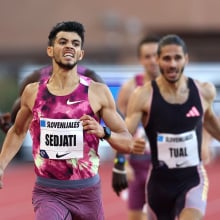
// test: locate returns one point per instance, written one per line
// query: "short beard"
(172, 81)
(66, 66)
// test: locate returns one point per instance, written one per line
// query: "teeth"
(68, 54)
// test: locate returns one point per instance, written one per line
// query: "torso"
(60, 110)
(179, 124)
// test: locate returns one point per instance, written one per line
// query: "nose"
(154, 59)
(69, 45)
(173, 62)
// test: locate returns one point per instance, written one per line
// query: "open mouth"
(70, 55)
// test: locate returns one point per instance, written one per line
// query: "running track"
(15, 197)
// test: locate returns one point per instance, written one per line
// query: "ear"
(81, 55)
(50, 51)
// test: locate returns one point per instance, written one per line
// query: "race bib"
(178, 150)
(61, 138)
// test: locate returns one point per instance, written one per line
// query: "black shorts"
(171, 190)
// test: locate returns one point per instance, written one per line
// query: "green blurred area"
(8, 94)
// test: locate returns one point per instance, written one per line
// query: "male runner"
(63, 112)
(173, 109)
(137, 165)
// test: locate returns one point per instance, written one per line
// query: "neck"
(181, 84)
(62, 78)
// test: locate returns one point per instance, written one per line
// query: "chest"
(178, 97)
(166, 116)
(73, 105)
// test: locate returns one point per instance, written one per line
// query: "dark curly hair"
(68, 26)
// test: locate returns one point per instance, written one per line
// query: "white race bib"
(178, 150)
(61, 138)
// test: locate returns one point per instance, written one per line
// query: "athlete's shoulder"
(31, 86)
(86, 81)
(30, 89)
(100, 89)
(98, 85)
(128, 86)
(207, 89)
(143, 92)
(147, 87)
(89, 73)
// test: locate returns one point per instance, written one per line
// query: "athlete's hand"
(5, 120)
(119, 178)
(139, 146)
(91, 126)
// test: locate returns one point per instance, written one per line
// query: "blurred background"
(113, 30)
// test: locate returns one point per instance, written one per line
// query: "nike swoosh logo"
(61, 155)
(180, 164)
(73, 102)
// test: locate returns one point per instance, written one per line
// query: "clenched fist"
(139, 146)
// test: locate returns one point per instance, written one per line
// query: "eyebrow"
(63, 38)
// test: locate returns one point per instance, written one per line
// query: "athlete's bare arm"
(138, 107)
(206, 152)
(120, 181)
(124, 94)
(103, 104)
(211, 121)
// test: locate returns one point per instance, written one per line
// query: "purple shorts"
(137, 188)
(69, 204)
